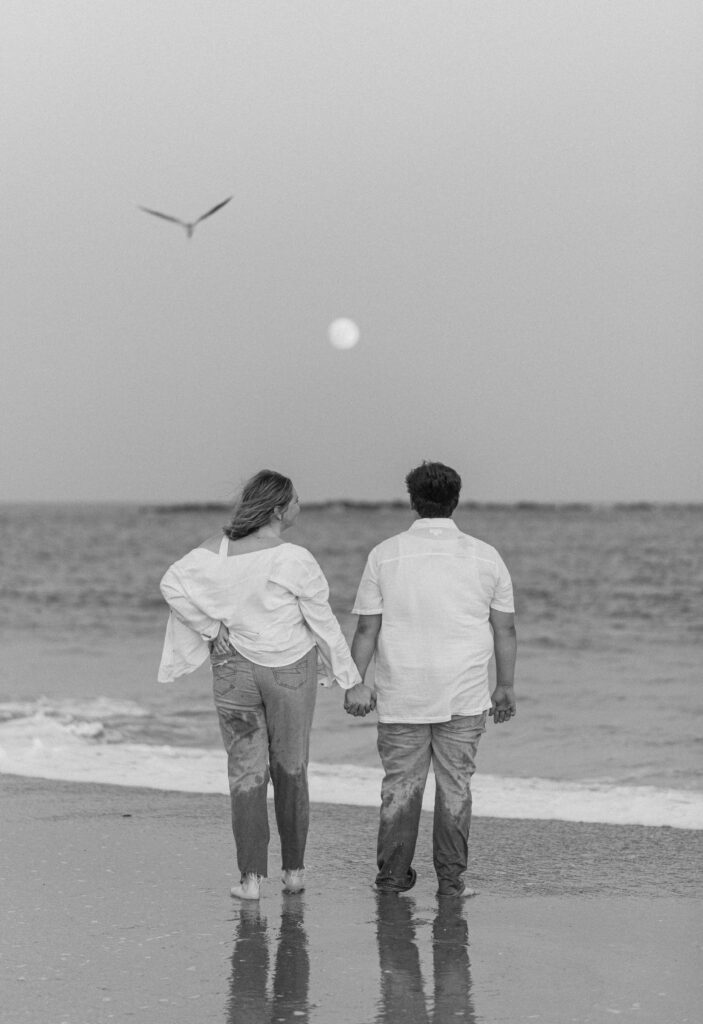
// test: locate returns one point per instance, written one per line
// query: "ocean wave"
(97, 719)
(43, 746)
(88, 709)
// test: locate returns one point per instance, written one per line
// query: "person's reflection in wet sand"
(249, 1000)
(402, 995)
(452, 970)
(402, 992)
(291, 980)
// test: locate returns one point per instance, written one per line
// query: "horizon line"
(362, 503)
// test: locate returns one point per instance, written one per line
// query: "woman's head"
(267, 495)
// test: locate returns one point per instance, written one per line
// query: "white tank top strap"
(224, 546)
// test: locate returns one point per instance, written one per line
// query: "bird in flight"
(190, 228)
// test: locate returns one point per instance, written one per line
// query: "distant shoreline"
(343, 504)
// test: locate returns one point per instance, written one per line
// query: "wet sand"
(115, 907)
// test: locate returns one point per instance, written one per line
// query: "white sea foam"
(45, 747)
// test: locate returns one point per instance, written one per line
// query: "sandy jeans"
(265, 719)
(406, 753)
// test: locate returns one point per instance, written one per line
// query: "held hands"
(359, 700)
(504, 706)
(220, 646)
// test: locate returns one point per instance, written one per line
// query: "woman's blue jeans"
(406, 754)
(265, 719)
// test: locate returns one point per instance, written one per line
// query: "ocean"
(609, 610)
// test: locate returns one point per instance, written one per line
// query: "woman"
(261, 604)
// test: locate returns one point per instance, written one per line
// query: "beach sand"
(116, 907)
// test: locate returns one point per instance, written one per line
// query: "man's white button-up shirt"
(434, 587)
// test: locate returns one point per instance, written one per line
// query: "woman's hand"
(221, 645)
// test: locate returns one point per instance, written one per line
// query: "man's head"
(434, 490)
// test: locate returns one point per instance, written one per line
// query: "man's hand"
(504, 706)
(359, 700)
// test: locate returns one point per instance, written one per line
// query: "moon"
(343, 333)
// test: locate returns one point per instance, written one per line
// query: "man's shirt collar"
(435, 524)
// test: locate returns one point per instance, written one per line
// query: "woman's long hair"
(259, 497)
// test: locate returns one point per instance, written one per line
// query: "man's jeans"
(406, 753)
(265, 720)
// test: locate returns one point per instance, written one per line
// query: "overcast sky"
(505, 195)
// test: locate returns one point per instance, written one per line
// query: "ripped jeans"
(406, 753)
(265, 719)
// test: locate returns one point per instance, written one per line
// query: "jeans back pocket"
(291, 677)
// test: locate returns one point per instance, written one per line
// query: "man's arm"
(359, 701)
(505, 647)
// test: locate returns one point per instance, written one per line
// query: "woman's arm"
(323, 625)
(176, 596)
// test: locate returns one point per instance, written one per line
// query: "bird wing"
(213, 210)
(165, 216)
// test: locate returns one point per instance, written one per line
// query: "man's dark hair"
(434, 490)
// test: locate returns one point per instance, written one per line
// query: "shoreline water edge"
(170, 769)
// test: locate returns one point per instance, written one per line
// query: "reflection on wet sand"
(402, 989)
(250, 1001)
(270, 980)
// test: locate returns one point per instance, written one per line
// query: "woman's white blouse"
(275, 603)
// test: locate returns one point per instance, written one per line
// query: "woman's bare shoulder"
(212, 543)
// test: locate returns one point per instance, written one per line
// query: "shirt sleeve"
(175, 593)
(310, 587)
(502, 600)
(369, 600)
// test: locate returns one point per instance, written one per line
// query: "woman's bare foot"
(249, 888)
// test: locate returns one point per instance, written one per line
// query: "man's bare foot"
(294, 881)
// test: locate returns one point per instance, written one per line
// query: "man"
(434, 606)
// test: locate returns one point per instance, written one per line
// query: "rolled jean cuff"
(384, 883)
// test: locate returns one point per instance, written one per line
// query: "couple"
(434, 606)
